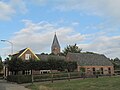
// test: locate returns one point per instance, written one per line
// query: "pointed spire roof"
(55, 42)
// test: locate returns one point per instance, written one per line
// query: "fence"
(43, 77)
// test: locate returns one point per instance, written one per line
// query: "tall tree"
(117, 59)
(1, 64)
(72, 48)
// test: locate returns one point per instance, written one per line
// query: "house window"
(109, 70)
(45, 71)
(27, 56)
(94, 71)
(27, 72)
(101, 70)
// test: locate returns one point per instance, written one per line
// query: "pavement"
(4, 85)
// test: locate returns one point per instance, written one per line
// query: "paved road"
(4, 85)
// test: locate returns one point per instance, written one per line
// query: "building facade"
(92, 64)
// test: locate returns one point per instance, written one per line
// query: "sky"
(92, 24)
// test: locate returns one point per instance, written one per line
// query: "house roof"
(85, 59)
(21, 52)
(46, 57)
(55, 42)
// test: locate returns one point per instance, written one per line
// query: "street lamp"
(11, 45)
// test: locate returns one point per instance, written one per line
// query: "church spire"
(55, 49)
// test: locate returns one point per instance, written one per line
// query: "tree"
(1, 64)
(15, 65)
(117, 59)
(72, 48)
(116, 63)
(44, 53)
(71, 66)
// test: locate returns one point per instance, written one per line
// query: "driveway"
(4, 85)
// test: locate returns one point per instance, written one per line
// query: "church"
(87, 63)
(55, 48)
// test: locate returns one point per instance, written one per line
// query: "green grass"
(103, 83)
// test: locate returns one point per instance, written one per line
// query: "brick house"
(27, 54)
(24, 54)
(92, 63)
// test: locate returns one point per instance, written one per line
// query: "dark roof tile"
(85, 59)
(46, 57)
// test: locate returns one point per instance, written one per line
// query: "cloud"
(19, 5)
(39, 36)
(75, 23)
(107, 9)
(6, 11)
(104, 45)
(92, 6)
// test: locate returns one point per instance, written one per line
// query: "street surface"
(4, 85)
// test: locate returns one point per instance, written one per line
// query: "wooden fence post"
(68, 76)
(32, 76)
(52, 78)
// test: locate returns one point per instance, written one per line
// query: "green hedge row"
(1, 74)
(56, 76)
(43, 77)
(17, 64)
(19, 78)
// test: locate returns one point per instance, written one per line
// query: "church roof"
(55, 42)
(85, 59)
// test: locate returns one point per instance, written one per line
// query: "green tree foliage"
(72, 48)
(44, 53)
(17, 64)
(116, 63)
(71, 66)
(117, 59)
(1, 63)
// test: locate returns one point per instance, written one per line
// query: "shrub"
(43, 77)
(19, 78)
(75, 74)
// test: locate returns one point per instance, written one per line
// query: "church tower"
(55, 49)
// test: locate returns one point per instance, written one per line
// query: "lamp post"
(6, 70)
(11, 45)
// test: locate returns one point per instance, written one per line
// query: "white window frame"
(27, 56)
(27, 72)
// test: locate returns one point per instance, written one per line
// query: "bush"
(43, 77)
(75, 74)
(12, 78)
(1, 74)
(19, 78)
(60, 76)
(17, 64)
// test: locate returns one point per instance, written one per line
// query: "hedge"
(19, 78)
(43, 77)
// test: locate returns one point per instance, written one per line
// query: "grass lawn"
(102, 83)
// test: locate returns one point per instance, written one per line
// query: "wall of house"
(107, 70)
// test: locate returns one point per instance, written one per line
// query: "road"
(4, 85)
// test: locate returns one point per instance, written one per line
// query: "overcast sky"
(94, 25)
